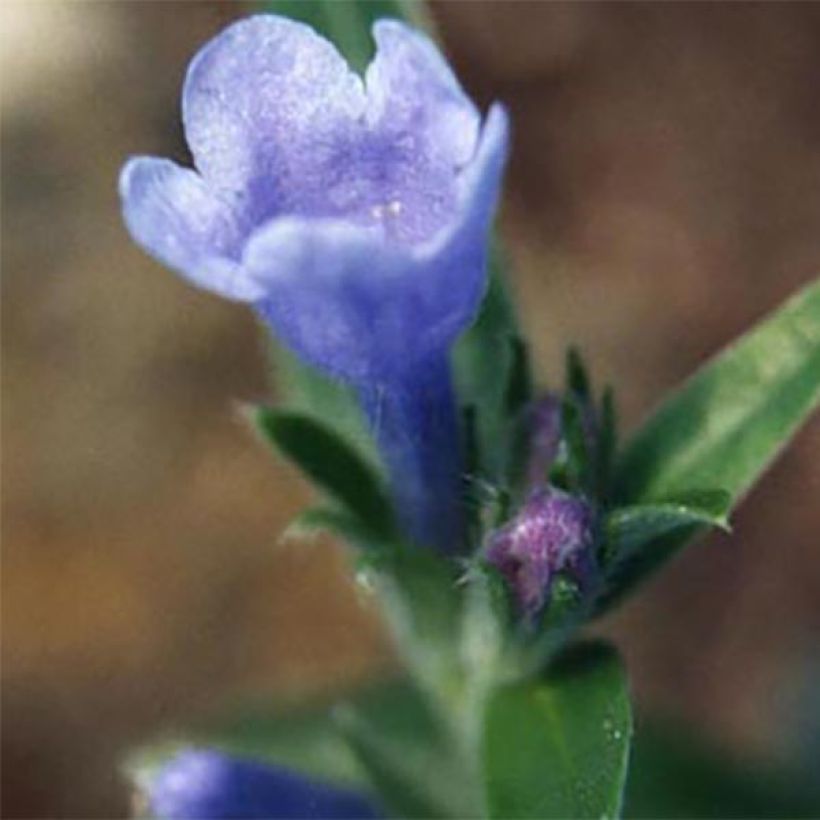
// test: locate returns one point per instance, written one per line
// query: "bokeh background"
(664, 193)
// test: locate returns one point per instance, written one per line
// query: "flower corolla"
(351, 212)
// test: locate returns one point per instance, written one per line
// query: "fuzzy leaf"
(576, 377)
(628, 529)
(300, 736)
(725, 425)
(519, 383)
(339, 522)
(329, 462)
(558, 747)
(637, 538)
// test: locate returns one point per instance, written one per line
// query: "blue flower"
(352, 213)
(208, 785)
(551, 533)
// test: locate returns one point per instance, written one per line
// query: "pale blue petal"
(462, 250)
(412, 92)
(174, 216)
(263, 101)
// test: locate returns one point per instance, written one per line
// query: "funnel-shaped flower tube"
(199, 784)
(353, 214)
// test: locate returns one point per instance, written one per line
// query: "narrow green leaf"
(329, 462)
(725, 425)
(303, 737)
(639, 538)
(577, 378)
(577, 464)
(519, 383)
(559, 747)
(628, 529)
(338, 522)
(482, 361)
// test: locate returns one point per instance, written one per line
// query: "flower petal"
(261, 99)
(411, 90)
(353, 303)
(337, 295)
(172, 214)
(462, 248)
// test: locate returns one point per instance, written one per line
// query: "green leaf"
(628, 529)
(405, 748)
(330, 463)
(576, 378)
(639, 538)
(347, 22)
(558, 747)
(577, 467)
(301, 736)
(340, 523)
(483, 359)
(731, 419)
(519, 384)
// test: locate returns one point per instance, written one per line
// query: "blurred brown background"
(664, 193)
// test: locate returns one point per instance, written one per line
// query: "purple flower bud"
(352, 213)
(551, 533)
(208, 785)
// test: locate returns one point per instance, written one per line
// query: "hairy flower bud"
(551, 533)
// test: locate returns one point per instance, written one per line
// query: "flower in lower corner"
(352, 213)
(200, 784)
